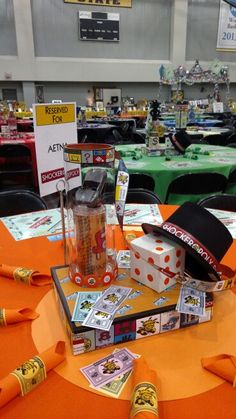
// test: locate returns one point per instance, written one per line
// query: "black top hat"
(201, 234)
(180, 140)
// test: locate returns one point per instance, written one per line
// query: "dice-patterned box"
(151, 251)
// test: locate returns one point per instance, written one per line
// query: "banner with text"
(54, 126)
(113, 3)
(226, 38)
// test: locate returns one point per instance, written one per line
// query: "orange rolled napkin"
(28, 375)
(144, 402)
(11, 316)
(25, 275)
(222, 365)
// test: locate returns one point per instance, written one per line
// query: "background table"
(185, 389)
(95, 132)
(112, 121)
(170, 123)
(23, 125)
(24, 114)
(220, 160)
(209, 131)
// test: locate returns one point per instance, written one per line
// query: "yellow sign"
(55, 114)
(114, 3)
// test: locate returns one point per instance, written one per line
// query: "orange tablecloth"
(198, 394)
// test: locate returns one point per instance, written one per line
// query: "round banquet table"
(220, 159)
(185, 389)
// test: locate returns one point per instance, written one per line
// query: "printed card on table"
(84, 303)
(111, 299)
(135, 214)
(106, 369)
(34, 224)
(115, 387)
(97, 319)
(123, 259)
(191, 301)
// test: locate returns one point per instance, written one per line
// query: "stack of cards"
(191, 301)
(115, 387)
(103, 311)
(116, 366)
(96, 309)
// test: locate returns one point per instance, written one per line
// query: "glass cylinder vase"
(91, 254)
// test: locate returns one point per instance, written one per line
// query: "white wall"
(173, 32)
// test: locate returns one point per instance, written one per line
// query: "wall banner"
(226, 38)
(54, 126)
(113, 3)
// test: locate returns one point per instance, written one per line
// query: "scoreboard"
(96, 26)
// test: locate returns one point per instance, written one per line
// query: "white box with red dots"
(151, 251)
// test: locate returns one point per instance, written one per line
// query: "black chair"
(195, 137)
(29, 127)
(231, 140)
(231, 183)
(232, 177)
(16, 169)
(139, 180)
(195, 184)
(138, 138)
(223, 202)
(124, 128)
(119, 139)
(134, 196)
(232, 145)
(198, 139)
(216, 139)
(19, 202)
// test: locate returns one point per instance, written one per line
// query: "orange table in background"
(133, 115)
(186, 390)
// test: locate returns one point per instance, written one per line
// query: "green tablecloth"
(198, 158)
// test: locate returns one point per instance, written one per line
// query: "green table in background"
(219, 159)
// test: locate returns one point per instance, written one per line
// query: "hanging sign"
(226, 38)
(54, 126)
(113, 3)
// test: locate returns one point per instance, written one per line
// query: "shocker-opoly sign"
(113, 3)
(54, 127)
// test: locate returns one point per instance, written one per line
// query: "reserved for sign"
(55, 114)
